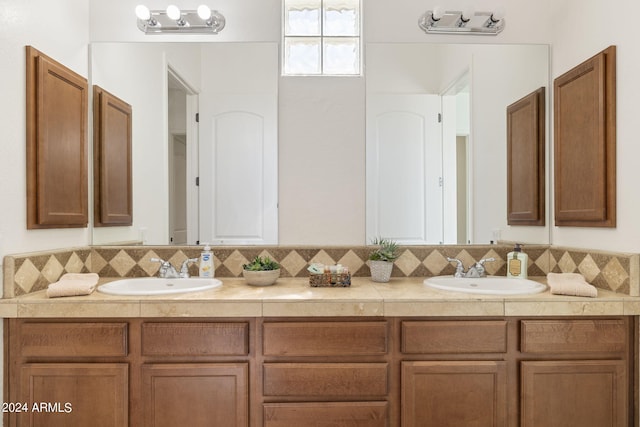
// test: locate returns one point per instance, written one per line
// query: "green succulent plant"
(261, 264)
(387, 250)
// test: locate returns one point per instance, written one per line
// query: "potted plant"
(381, 259)
(261, 271)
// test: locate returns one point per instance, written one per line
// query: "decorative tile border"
(34, 271)
(615, 271)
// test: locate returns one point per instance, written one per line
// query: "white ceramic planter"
(261, 278)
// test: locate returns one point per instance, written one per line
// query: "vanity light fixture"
(437, 21)
(173, 20)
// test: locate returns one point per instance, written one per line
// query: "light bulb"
(143, 13)
(204, 12)
(173, 12)
(467, 14)
(437, 13)
(498, 15)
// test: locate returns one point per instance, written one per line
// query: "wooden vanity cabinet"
(134, 372)
(576, 372)
(334, 371)
(542, 372)
(194, 373)
(454, 373)
(66, 373)
(365, 372)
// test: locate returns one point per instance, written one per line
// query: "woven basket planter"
(380, 270)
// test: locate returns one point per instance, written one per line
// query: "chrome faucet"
(168, 271)
(474, 271)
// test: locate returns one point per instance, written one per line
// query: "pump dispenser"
(517, 263)
(206, 262)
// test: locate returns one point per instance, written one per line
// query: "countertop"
(293, 297)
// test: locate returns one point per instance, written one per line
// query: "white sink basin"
(492, 285)
(157, 286)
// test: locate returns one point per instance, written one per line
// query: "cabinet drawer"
(325, 338)
(573, 336)
(328, 380)
(482, 336)
(361, 414)
(195, 339)
(73, 339)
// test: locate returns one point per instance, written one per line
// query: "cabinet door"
(56, 144)
(454, 394)
(195, 395)
(588, 393)
(74, 394)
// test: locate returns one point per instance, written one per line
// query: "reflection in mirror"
(211, 178)
(474, 84)
(436, 139)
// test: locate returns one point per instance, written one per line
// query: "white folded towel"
(72, 284)
(570, 284)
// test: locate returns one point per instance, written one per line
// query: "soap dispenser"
(206, 262)
(517, 263)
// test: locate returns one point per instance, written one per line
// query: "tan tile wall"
(33, 272)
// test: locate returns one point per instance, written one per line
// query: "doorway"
(182, 102)
(456, 145)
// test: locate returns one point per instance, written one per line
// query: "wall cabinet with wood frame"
(112, 175)
(526, 129)
(281, 372)
(57, 113)
(585, 143)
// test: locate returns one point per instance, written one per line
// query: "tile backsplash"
(25, 273)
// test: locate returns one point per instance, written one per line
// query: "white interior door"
(239, 170)
(404, 168)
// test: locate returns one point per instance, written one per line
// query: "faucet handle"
(184, 269)
(166, 269)
(482, 261)
(459, 266)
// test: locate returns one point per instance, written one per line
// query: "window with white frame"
(321, 37)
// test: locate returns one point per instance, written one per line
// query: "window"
(321, 37)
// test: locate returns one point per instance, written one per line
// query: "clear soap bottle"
(517, 263)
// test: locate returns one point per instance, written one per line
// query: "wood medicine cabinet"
(585, 143)
(525, 160)
(112, 191)
(56, 144)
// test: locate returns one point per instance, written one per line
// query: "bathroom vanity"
(395, 354)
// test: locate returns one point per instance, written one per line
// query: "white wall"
(60, 30)
(322, 161)
(579, 34)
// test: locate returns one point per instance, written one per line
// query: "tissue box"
(330, 280)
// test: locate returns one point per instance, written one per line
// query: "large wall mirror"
(448, 188)
(204, 140)
(436, 139)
